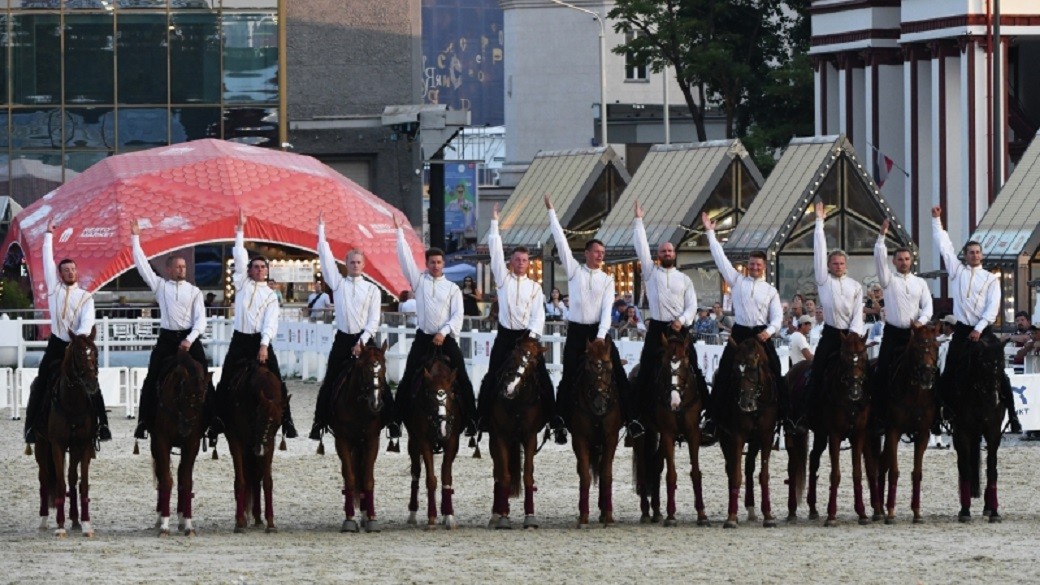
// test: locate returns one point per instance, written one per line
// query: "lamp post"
(602, 67)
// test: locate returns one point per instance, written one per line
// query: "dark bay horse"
(178, 423)
(257, 408)
(977, 408)
(357, 420)
(747, 413)
(434, 425)
(909, 409)
(71, 427)
(516, 418)
(595, 424)
(675, 414)
(840, 412)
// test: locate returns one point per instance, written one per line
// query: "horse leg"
(671, 476)
(163, 485)
(890, 468)
(256, 484)
(268, 484)
(768, 521)
(500, 472)
(871, 457)
(447, 506)
(413, 501)
(45, 477)
(346, 455)
(84, 492)
(965, 472)
(185, 484)
(991, 504)
(733, 446)
(241, 501)
(819, 444)
(530, 446)
(75, 456)
(834, 450)
(371, 450)
(58, 460)
(581, 454)
(858, 439)
(749, 480)
(920, 445)
(797, 452)
(431, 487)
(694, 445)
(606, 479)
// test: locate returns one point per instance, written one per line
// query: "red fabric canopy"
(190, 194)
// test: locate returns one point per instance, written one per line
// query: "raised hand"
(397, 222)
(321, 217)
(709, 224)
(51, 226)
(937, 211)
(241, 219)
(884, 228)
(639, 209)
(821, 210)
(494, 213)
(135, 228)
(548, 203)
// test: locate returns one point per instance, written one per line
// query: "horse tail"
(595, 457)
(360, 469)
(976, 467)
(797, 455)
(515, 473)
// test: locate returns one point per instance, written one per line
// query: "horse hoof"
(918, 520)
(240, 529)
(530, 521)
(703, 522)
(657, 517)
(751, 515)
(257, 524)
(504, 523)
(493, 522)
(190, 532)
(876, 517)
(669, 522)
(995, 518)
(864, 521)
(88, 530)
(645, 519)
(450, 523)
(583, 525)
(770, 523)
(349, 526)
(814, 515)
(432, 525)
(830, 523)
(373, 526)
(164, 532)
(890, 519)
(985, 513)
(411, 519)
(43, 524)
(76, 525)
(964, 518)
(60, 533)
(272, 529)
(792, 519)
(729, 524)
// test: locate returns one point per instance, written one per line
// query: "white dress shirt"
(975, 291)
(907, 298)
(357, 300)
(180, 302)
(840, 297)
(556, 311)
(521, 302)
(591, 291)
(796, 342)
(438, 301)
(670, 292)
(71, 308)
(256, 305)
(318, 302)
(755, 301)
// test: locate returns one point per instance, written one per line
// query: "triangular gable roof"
(1011, 225)
(565, 175)
(672, 185)
(790, 191)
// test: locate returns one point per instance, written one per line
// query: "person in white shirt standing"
(976, 302)
(798, 342)
(592, 298)
(673, 307)
(439, 313)
(182, 323)
(907, 301)
(357, 320)
(521, 313)
(72, 313)
(256, 325)
(318, 302)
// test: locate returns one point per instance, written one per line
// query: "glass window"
(3, 54)
(88, 4)
(34, 174)
(142, 127)
(90, 128)
(250, 58)
(194, 58)
(748, 188)
(89, 51)
(255, 126)
(77, 162)
(5, 174)
(194, 123)
(36, 58)
(36, 128)
(4, 131)
(142, 4)
(35, 4)
(141, 58)
(209, 266)
(193, 4)
(233, 4)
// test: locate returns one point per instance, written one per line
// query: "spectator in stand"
(631, 322)
(471, 296)
(555, 309)
(724, 321)
(1031, 347)
(617, 312)
(1023, 330)
(809, 308)
(630, 301)
(277, 288)
(798, 342)
(705, 327)
(318, 303)
(817, 328)
(797, 301)
(873, 305)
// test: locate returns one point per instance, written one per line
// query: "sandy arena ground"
(310, 549)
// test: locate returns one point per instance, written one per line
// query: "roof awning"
(1011, 226)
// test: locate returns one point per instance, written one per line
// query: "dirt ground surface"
(310, 549)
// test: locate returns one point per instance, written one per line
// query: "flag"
(882, 168)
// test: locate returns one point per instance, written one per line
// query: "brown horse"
(434, 425)
(357, 420)
(976, 407)
(178, 423)
(516, 418)
(256, 414)
(71, 426)
(747, 413)
(595, 424)
(909, 409)
(674, 416)
(840, 412)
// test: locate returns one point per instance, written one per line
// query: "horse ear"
(664, 339)
(93, 332)
(386, 345)
(426, 374)
(914, 325)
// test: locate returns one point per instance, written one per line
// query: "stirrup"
(635, 429)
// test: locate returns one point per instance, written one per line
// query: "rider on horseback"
(181, 327)
(521, 313)
(907, 300)
(976, 303)
(673, 306)
(256, 324)
(592, 295)
(357, 320)
(756, 310)
(72, 313)
(439, 318)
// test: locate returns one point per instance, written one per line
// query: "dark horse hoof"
(814, 515)
(770, 523)
(729, 524)
(918, 520)
(890, 519)
(792, 519)
(349, 526)
(995, 518)
(964, 518)
(864, 521)
(830, 523)
(240, 529)
(703, 522)
(645, 519)
(670, 522)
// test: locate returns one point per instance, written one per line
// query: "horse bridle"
(599, 393)
(751, 385)
(374, 380)
(679, 375)
(924, 371)
(854, 374)
(512, 379)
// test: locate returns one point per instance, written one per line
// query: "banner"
(460, 198)
(1026, 390)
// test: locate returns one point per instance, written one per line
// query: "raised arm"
(144, 268)
(639, 242)
(726, 269)
(327, 261)
(606, 304)
(820, 247)
(942, 240)
(570, 266)
(881, 257)
(404, 257)
(50, 268)
(238, 252)
(498, 256)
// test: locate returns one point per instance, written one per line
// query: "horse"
(595, 424)
(674, 416)
(357, 420)
(840, 412)
(909, 409)
(976, 407)
(71, 426)
(516, 418)
(178, 423)
(434, 425)
(747, 412)
(255, 418)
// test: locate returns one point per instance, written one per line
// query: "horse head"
(677, 376)
(923, 354)
(80, 366)
(751, 370)
(439, 397)
(369, 376)
(598, 371)
(853, 364)
(519, 367)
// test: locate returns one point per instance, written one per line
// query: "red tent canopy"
(189, 194)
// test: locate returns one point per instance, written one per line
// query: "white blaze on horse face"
(675, 400)
(511, 388)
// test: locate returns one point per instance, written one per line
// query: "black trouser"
(724, 372)
(505, 342)
(826, 350)
(893, 345)
(50, 366)
(650, 362)
(341, 363)
(578, 337)
(422, 350)
(167, 346)
(958, 352)
(245, 347)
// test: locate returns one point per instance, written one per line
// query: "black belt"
(843, 331)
